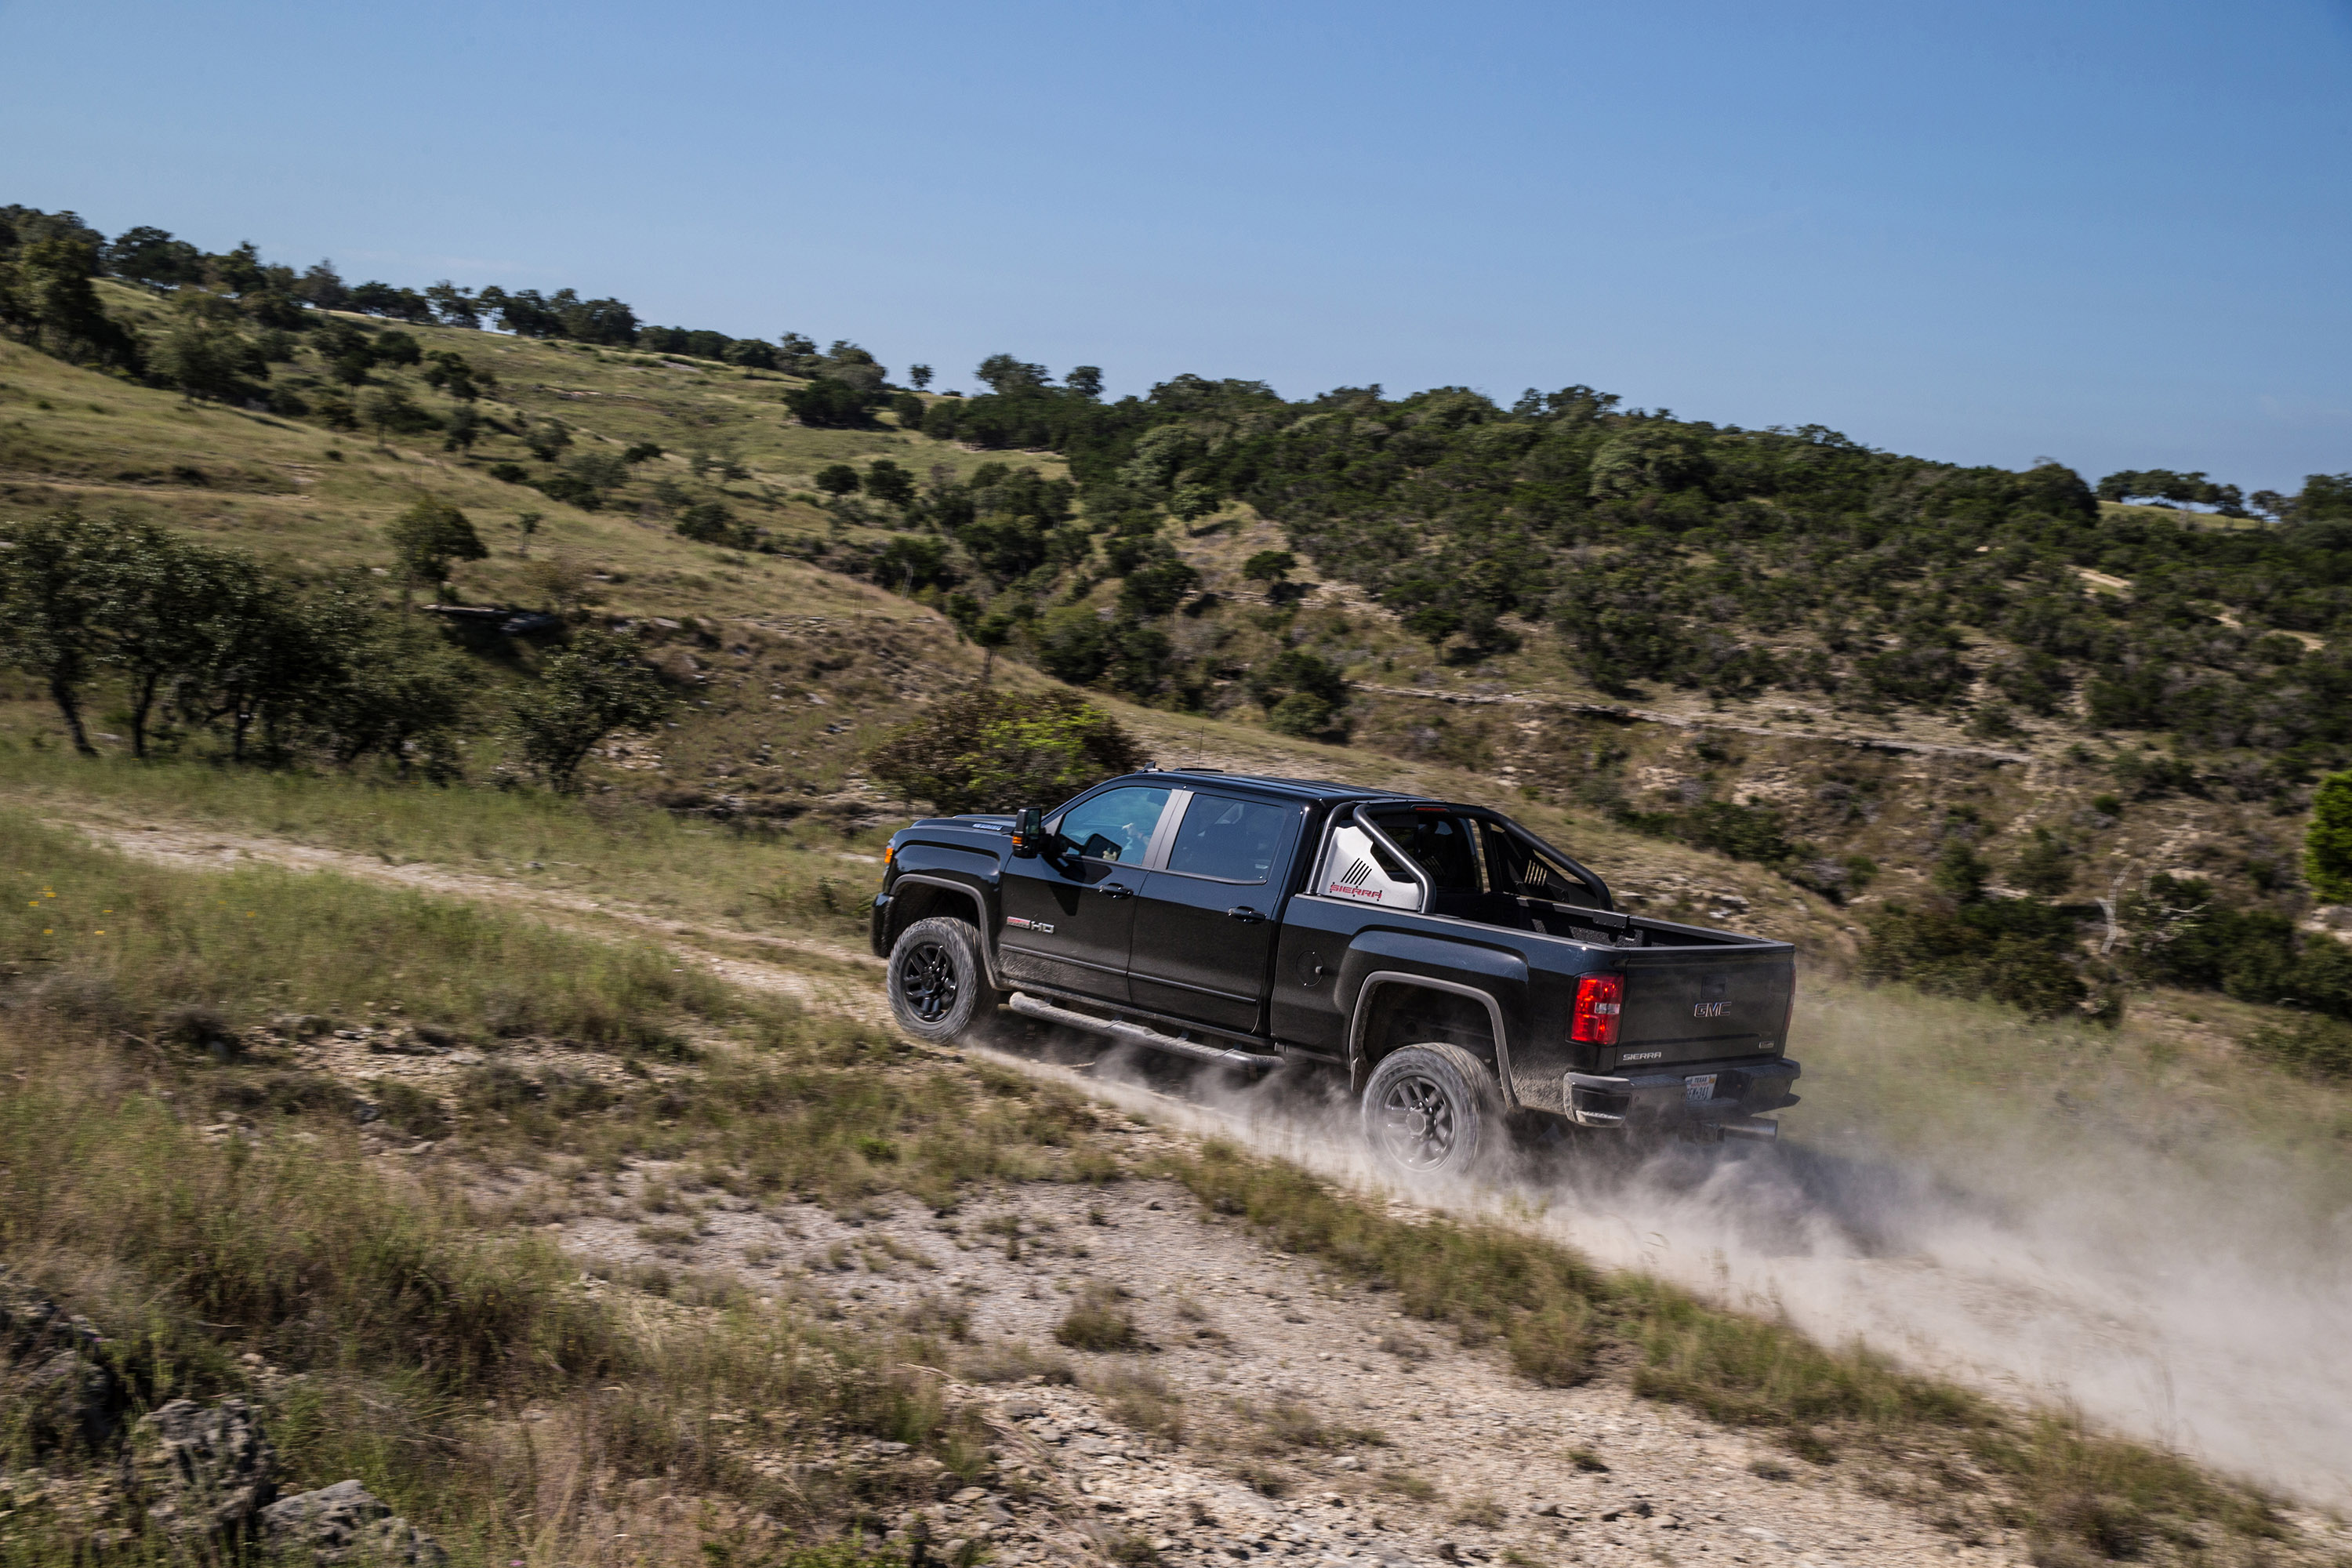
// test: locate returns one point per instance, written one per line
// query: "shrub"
(2327, 847)
(993, 750)
(1098, 1321)
(2320, 1048)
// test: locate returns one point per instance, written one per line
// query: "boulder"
(53, 1373)
(347, 1523)
(203, 1469)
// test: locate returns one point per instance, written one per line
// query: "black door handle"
(1244, 913)
(1113, 889)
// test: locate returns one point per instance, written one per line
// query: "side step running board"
(1119, 1028)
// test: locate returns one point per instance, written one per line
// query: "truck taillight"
(1599, 998)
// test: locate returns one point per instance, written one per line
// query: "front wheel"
(939, 985)
(1431, 1111)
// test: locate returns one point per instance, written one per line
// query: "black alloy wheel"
(927, 978)
(1417, 1121)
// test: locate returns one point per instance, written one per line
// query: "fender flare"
(978, 911)
(1361, 1018)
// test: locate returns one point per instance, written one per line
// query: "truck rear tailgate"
(1703, 1003)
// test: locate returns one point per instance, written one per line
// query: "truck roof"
(1322, 790)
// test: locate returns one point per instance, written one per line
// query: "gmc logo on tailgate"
(1708, 1009)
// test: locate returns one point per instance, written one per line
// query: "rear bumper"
(1663, 1100)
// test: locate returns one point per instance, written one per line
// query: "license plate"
(1699, 1088)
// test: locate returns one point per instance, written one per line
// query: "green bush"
(995, 751)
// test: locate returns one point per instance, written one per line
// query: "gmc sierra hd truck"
(1469, 979)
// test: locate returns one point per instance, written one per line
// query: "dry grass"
(415, 1323)
(1140, 1397)
(1099, 1321)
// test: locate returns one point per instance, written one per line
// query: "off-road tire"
(938, 982)
(1431, 1112)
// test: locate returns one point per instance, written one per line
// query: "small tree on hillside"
(886, 481)
(2327, 847)
(205, 357)
(428, 538)
(53, 575)
(599, 684)
(995, 750)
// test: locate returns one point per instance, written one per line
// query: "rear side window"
(1517, 867)
(1230, 840)
(1440, 843)
(1116, 825)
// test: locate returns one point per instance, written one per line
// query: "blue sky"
(2116, 234)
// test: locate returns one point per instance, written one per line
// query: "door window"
(1116, 825)
(1230, 840)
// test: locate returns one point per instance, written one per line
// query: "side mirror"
(1029, 831)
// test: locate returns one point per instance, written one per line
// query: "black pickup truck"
(1466, 975)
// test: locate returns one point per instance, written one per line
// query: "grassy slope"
(504, 1404)
(267, 485)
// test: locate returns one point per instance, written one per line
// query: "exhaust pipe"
(1759, 1130)
(1119, 1028)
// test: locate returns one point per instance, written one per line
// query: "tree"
(920, 374)
(2044, 866)
(993, 750)
(885, 481)
(385, 409)
(151, 255)
(836, 480)
(828, 403)
(53, 582)
(1085, 380)
(1269, 566)
(392, 687)
(464, 427)
(46, 300)
(455, 306)
(2327, 845)
(322, 286)
(454, 373)
(204, 356)
(428, 537)
(396, 347)
(159, 595)
(264, 661)
(2323, 496)
(598, 684)
(1007, 376)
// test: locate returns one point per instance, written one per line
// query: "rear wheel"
(939, 985)
(1432, 1110)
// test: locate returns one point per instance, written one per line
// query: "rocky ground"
(1263, 1407)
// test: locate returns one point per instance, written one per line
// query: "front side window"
(1230, 840)
(1116, 825)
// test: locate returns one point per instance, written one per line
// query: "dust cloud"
(2025, 1210)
